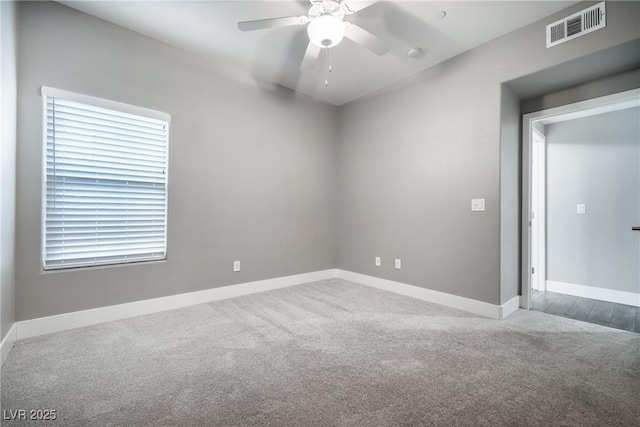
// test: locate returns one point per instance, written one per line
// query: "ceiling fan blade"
(263, 24)
(310, 57)
(366, 39)
(357, 5)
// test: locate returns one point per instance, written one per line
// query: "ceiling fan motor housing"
(322, 7)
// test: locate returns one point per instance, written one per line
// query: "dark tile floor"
(604, 313)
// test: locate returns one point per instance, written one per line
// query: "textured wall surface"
(412, 158)
(285, 184)
(251, 168)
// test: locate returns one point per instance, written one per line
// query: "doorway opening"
(562, 272)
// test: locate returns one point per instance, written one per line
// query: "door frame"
(535, 122)
(538, 209)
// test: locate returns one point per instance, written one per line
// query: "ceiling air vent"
(583, 22)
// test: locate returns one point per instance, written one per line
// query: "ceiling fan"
(326, 29)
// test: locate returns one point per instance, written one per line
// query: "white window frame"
(48, 92)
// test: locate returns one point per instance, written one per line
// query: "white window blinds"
(105, 189)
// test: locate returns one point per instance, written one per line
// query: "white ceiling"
(209, 28)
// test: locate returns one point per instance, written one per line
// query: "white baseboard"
(61, 322)
(465, 304)
(509, 307)
(602, 294)
(7, 343)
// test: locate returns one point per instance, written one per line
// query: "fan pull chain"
(327, 56)
(328, 64)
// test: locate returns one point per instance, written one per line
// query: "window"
(105, 182)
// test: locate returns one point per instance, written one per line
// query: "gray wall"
(8, 82)
(254, 170)
(252, 167)
(594, 89)
(412, 158)
(596, 161)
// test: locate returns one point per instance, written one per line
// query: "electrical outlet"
(378, 261)
(398, 264)
(236, 266)
(581, 209)
(477, 205)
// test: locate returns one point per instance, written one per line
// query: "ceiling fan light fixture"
(326, 31)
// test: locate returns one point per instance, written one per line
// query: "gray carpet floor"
(329, 353)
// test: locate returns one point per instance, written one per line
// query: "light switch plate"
(581, 209)
(477, 205)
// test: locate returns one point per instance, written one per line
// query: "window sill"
(101, 267)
